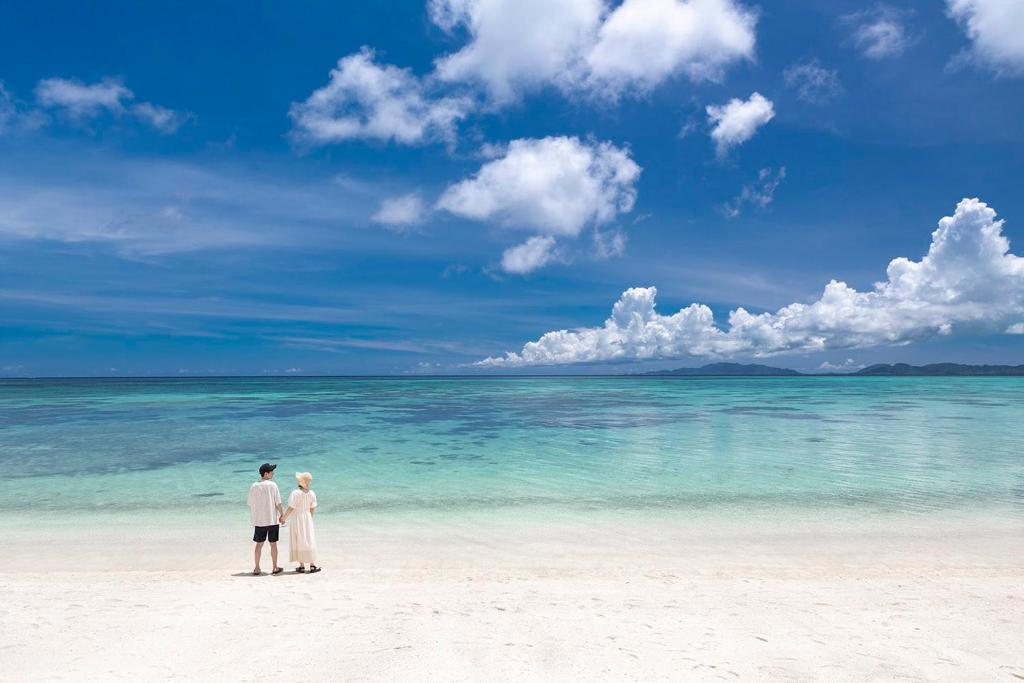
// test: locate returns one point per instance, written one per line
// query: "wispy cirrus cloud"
(968, 280)
(149, 207)
(880, 32)
(86, 101)
(759, 193)
(813, 82)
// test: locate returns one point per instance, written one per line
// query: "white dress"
(301, 535)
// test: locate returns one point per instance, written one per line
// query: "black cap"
(267, 467)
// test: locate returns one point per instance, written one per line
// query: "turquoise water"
(505, 446)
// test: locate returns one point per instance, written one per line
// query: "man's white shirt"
(264, 497)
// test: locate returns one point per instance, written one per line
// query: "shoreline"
(505, 600)
(163, 543)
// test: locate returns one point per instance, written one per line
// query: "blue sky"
(185, 188)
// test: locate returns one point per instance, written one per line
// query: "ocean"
(546, 447)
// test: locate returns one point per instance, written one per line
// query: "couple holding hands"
(268, 516)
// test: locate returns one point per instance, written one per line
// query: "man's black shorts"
(267, 533)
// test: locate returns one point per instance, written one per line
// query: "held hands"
(280, 519)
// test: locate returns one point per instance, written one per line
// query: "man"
(265, 510)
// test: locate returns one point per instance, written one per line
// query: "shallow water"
(524, 446)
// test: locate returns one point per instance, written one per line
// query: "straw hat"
(303, 478)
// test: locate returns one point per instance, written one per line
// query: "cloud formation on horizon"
(967, 280)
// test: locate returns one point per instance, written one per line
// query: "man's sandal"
(277, 571)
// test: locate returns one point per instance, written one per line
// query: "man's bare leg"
(259, 552)
(273, 554)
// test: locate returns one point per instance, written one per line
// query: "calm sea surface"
(504, 446)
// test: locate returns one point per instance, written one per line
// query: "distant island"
(940, 369)
(728, 369)
(879, 370)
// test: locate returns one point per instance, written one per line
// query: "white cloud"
(760, 193)
(994, 28)
(364, 100)
(8, 110)
(880, 32)
(584, 45)
(81, 100)
(551, 186)
(737, 121)
(517, 45)
(161, 118)
(848, 365)
(527, 257)
(644, 42)
(400, 212)
(813, 82)
(968, 281)
(141, 208)
(609, 244)
(109, 96)
(1016, 328)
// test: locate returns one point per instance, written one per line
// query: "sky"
(508, 186)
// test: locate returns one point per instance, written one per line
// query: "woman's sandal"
(300, 570)
(313, 569)
(277, 571)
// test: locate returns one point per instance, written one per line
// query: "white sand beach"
(514, 602)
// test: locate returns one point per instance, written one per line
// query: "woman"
(301, 535)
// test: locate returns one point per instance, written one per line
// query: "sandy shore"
(554, 603)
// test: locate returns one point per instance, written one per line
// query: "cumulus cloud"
(968, 280)
(1016, 328)
(527, 257)
(400, 212)
(552, 186)
(759, 194)
(81, 101)
(584, 45)
(880, 32)
(813, 82)
(644, 42)
(366, 100)
(736, 122)
(517, 45)
(994, 28)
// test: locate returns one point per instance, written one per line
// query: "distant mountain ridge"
(878, 370)
(728, 369)
(940, 369)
